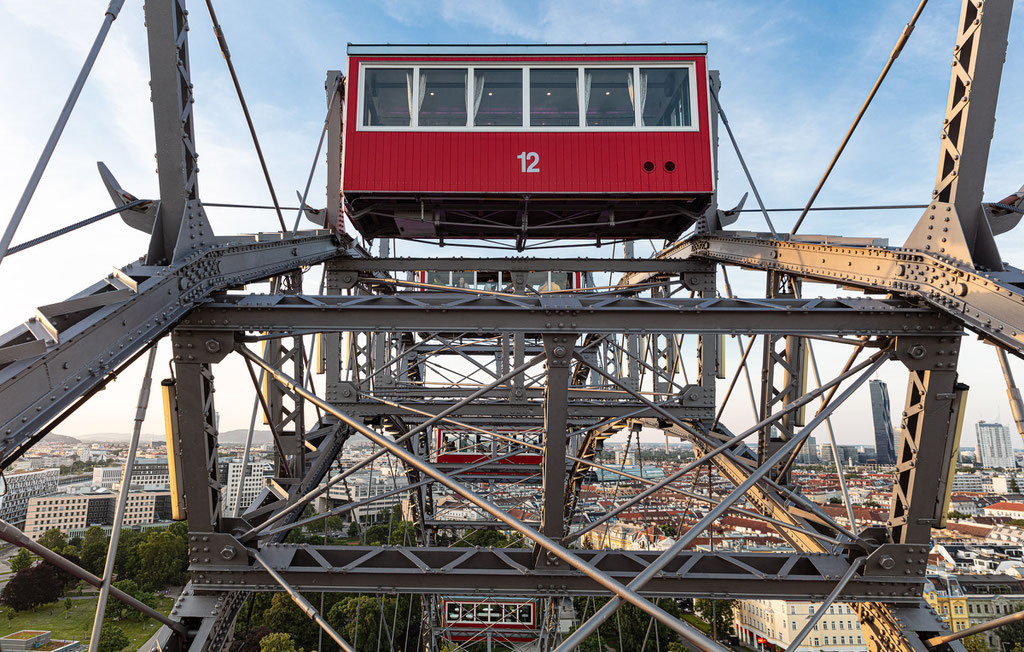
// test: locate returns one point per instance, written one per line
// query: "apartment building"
(771, 625)
(74, 513)
(965, 600)
(995, 446)
(20, 487)
(256, 473)
(107, 476)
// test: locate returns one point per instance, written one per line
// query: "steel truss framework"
(568, 368)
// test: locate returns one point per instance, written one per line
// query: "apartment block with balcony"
(20, 487)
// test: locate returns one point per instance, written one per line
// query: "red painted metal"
(482, 161)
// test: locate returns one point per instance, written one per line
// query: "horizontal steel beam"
(989, 303)
(84, 341)
(415, 311)
(521, 264)
(498, 572)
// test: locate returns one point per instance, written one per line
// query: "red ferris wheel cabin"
(527, 141)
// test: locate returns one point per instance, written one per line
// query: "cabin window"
(608, 97)
(497, 98)
(387, 97)
(554, 97)
(442, 97)
(664, 97)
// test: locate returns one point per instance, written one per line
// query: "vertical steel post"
(180, 213)
(335, 85)
(559, 352)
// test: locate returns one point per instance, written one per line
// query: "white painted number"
(529, 161)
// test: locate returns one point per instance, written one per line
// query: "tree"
(112, 639)
(68, 604)
(21, 561)
(163, 559)
(1013, 485)
(717, 613)
(976, 643)
(31, 587)
(94, 550)
(127, 562)
(835, 500)
(53, 539)
(278, 642)
(117, 609)
(630, 624)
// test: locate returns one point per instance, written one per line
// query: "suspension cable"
(223, 43)
(113, 9)
(900, 42)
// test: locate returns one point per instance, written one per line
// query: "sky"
(793, 75)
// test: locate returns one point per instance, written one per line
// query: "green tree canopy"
(278, 642)
(717, 613)
(112, 639)
(94, 550)
(32, 587)
(163, 560)
(53, 539)
(21, 561)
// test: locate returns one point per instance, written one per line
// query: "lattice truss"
(488, 410)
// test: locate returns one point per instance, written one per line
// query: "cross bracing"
(494, 404)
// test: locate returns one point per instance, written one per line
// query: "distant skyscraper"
(885, 438)
(995, 448)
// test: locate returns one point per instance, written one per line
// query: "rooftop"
(524, 49)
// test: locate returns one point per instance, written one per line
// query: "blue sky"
(793, 73)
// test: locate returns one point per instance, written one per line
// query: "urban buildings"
(885, 438)
(107, 476)
(995, 448)
(774, 624)
(256, 473)
(74, 513)
(146, 472)
(21, 487)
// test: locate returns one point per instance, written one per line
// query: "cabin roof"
(524, 49)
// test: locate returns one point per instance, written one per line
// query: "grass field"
(76, 624)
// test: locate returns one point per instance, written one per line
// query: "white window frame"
(696, 115)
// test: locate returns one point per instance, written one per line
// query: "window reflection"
(664, 97)
(442, 97)
(608, 97)
(497, 98)
(554, 97)
(388, 97)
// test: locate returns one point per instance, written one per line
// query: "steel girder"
(71, 349)
(474, 314)
(510, 572)
(989, 303)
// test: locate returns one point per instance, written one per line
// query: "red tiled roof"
(1013, 507)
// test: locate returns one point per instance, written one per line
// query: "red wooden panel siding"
(485, 161)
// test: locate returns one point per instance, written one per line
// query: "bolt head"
(213, 346)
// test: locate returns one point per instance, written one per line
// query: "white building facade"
(774, 624)
(255, 478)
(995, 447)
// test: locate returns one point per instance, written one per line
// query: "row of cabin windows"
(501, 281)
(558, 97)
(488, 612)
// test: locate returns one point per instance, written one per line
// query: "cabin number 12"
(529, 161)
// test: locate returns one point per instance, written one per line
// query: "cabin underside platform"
(524, 218)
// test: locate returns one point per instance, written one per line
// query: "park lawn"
(697, 622)
(78, 624)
